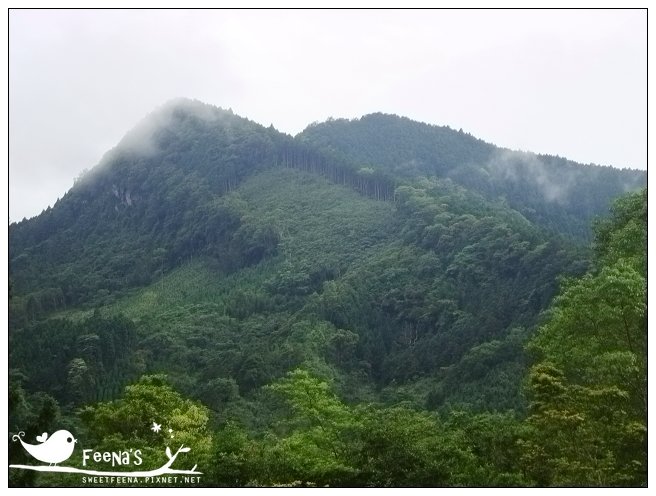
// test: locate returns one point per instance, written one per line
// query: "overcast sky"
(569, 83)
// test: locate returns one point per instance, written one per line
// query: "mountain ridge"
(139, 134)
(531, 183)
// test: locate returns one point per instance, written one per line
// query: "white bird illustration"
(54, 450)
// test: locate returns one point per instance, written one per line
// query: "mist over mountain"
(408, 265)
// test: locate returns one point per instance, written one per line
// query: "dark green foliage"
(33, 414)
(76, 361)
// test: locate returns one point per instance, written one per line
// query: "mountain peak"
(142, 138)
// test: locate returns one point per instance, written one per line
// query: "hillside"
(554, 192)
(227, 255)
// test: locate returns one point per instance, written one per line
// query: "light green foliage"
(589, 391)
(126, 423)
(320, 441)
(317, 449)
(624, 235)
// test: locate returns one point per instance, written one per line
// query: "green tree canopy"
(588, 389)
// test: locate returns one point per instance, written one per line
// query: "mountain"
(408, 264)
(554, 192)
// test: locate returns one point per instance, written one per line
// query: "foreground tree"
(588, 391)
(153, 417)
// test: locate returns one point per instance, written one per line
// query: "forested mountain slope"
(226, 255)
(554, 192)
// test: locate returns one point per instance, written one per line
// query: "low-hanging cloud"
(528, 169)
(142, 139)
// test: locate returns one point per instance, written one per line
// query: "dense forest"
(374, 302)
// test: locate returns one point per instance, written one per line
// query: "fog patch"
(526, 168)
(143, 140)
